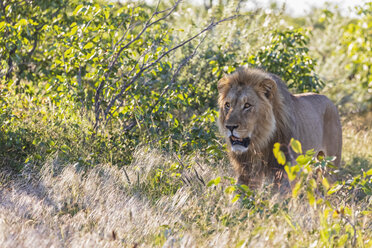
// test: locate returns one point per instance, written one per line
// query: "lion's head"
(247, 118)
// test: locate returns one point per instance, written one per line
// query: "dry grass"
(107, 206)
(357, 143)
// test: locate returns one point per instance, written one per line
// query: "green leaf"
(281, 158)
(78, 9)
(325, 183)
(276, 149)
(176, 123)
(245, 188)
(310, 197)
(68, 53)
(236, 197)
(65, 148)
(2, 25)
(296, 146)
(303, 160)
(22, 22)
(342, 240)
(240, 244)
(180, 96)
(210, 183)
(334, 189)
(292, 171)
(73, 31)
(279, 155)
(230, 189)
(88, 45)
(296, 189)
(215, 181)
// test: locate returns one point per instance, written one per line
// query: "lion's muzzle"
(240, 141)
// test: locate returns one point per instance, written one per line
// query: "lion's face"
(246, 115)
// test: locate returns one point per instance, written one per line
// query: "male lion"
(257, 110)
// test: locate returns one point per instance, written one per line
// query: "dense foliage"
(357, 44)
(130, 67)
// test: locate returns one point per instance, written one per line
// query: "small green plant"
(308, 177)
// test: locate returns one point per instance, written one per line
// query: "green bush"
(288, 57)
(357, 45)
(112, 68)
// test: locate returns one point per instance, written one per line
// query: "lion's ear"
(268, 87)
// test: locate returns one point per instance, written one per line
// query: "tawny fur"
(275, 116)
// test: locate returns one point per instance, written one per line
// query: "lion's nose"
(231, 127)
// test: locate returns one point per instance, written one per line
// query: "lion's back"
(318, 123)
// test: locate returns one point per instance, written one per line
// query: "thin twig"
(113, 62)
(179, 161)
(124, 36)
(355, 233)
(126, 175)
(199, 177)
(173, 80)
(125, 86)
(199, 165)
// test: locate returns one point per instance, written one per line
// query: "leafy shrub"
(113, 67)
(288, 57)
(357, 45)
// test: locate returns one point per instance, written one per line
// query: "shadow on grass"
(15, 146)
(356, 166)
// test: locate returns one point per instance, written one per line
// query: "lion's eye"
(227, 105)
(247, 106)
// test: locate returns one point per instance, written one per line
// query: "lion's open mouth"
(237, 141)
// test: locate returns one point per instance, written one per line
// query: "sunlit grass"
(357, 143)
(67, 205)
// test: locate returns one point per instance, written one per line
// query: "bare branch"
(147, 25)
(34, 46)
(126, 175)
(125, 86)
(175, 74)
(200, 178)
(10, 64)
(124, 36)
(113, 62)
(185, 61)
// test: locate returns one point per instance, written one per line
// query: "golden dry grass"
(107, 206)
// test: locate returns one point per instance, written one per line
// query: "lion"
(256, 110)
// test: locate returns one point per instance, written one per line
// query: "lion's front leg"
(254, 182)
